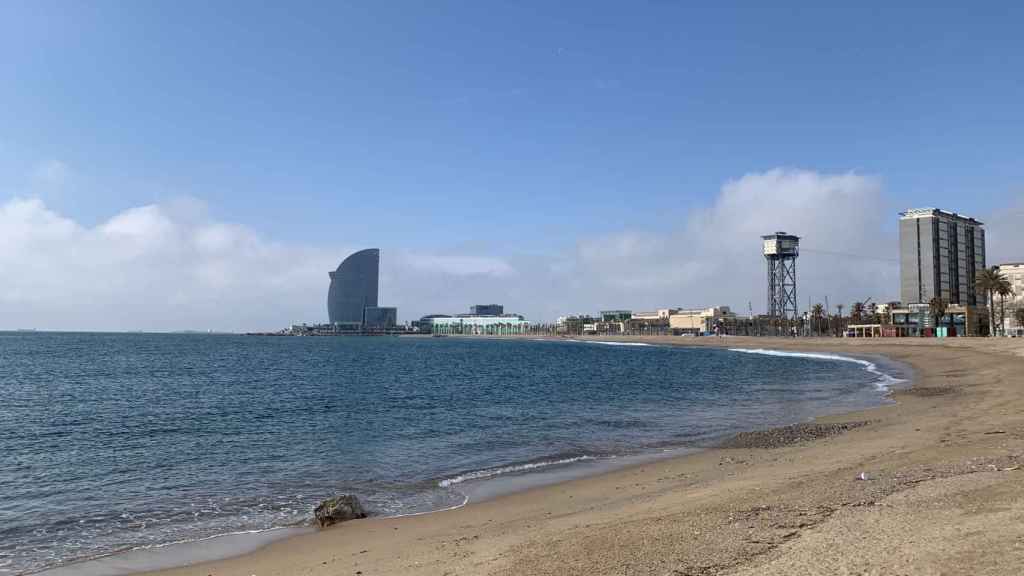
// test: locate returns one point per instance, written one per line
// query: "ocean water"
(113, 442)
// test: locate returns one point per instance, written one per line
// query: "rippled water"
(110, 442)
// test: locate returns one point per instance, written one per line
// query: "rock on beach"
(338, 509)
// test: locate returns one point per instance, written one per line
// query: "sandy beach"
(932, 484)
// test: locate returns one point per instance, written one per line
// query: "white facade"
(1015, 274)
(479, 325)
(660, 314)
(700, 320)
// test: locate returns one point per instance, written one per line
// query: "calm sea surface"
(112, 442)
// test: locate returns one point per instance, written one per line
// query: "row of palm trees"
(858, 313)
(995, 283)
(821, 321)
(990, 280)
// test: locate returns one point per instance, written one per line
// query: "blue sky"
(499, 130)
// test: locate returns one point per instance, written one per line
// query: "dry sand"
(944, 495)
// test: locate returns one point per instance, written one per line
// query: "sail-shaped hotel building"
(352, 296)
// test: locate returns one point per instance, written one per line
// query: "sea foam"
(611, 343)
(883, 382)
(491, 472)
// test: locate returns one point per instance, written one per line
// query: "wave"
(884, 381)
(491, 472)
(465, 500)
(610, 343)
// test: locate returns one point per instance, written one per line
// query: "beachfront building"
(941, 254)
(611, 322)
(505, 325)
(380, 318)
(917, 320)
(654, 322)
(1014, 272)
(701, 320)
(475, 323)
(575, 324)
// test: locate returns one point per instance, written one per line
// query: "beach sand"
(943, 494)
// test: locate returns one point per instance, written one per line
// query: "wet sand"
(932, 484)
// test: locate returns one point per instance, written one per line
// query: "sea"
(114, 443)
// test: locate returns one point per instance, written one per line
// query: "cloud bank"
(156, 267)
(172, 266)
(714, 256)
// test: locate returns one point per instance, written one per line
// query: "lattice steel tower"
(781, 251)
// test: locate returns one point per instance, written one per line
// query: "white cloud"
(714, 256)
(171, 266)
(459, 265)
(150, 267)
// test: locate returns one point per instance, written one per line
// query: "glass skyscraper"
(941, 254)
(354, 288)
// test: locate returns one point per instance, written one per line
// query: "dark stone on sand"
(788, 435)
(338, 509)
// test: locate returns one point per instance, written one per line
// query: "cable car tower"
(781, 251)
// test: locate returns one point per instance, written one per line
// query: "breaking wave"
(491, 472)
(611, 343)
(883, 382)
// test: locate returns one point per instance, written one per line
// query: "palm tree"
(817, 313)
(1003, 289)
(989, 280)
(857, 312)
(937, 307)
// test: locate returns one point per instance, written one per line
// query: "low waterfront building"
(505, 325)
(655, 322)
(917, 320)
(380, 317)
(864, 331)
(575, 324)
(876, 331)
(344, 329)
(475, 323)
(700, 321)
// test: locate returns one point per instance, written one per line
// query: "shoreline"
(486, 484)
(822, 429)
